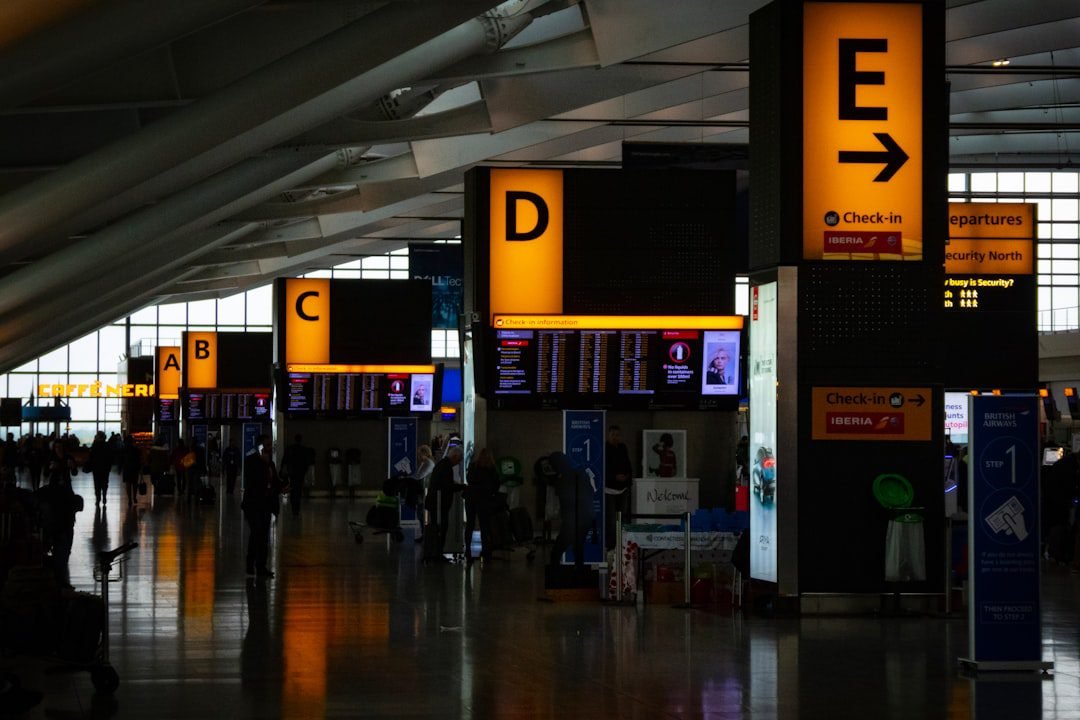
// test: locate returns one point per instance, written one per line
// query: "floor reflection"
(352, 630)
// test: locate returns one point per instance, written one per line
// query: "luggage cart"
(102, 674)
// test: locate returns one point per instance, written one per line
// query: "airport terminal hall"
(528, 359)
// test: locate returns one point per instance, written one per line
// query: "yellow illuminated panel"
(990, 257)
(307, 320)
(963, 291)
(328, 368)
(862, 131)
(618, 322)
(871, 413)
(991, 220)
(168, 372)
(526, 241)
(200, 359)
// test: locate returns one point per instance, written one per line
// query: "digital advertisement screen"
(763, 475)
(956, 417)
(630, 368)
(422, 393)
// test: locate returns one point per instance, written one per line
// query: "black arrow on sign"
(918, 400)
(893, 156)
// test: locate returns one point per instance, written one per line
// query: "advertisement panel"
(401, 457)
(1003, 532)
(444, 267)
(862, 131)
(763, 468)
(956, 418)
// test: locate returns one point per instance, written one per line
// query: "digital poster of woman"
(721, 373)
(421, 393)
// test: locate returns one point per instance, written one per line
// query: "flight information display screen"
(228, 406)
(633, 368)
(341, 395)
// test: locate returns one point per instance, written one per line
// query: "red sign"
(870, 423)
(888, 241)
(753, 312)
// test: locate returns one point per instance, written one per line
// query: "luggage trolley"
(102, 674)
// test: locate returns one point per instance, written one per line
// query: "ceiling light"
(1000, 63)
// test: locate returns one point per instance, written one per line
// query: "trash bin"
(352, 465)
(337, 471)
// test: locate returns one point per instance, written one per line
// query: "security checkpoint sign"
(871, 413)
(862, 131)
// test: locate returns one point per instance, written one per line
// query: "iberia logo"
(864, 423)
(862, 241)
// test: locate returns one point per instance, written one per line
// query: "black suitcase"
(521, 525)
(207, 495)
(382, 517)
(431, 549)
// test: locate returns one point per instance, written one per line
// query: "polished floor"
(365, 631)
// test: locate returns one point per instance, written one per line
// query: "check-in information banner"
(872, 413)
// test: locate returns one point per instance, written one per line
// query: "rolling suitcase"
(165, 485)
(207, 495)
(431, 550)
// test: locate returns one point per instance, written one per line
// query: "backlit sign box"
(862, 131)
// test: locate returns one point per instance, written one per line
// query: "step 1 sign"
(872, 413)
(1003, 534)
(862, 131)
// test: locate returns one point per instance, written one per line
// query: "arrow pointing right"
(918, 400)
(893, 156)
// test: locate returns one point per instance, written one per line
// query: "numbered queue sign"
(1003, 533)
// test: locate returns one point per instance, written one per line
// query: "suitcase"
(431, 549)
(382, 517)
(521, 525)
(207, 495)
(165, 485)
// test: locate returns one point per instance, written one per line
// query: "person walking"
(261, 490)
(296, 461)
(575, 494)
(440, 498)
(100, 465)
(230, 461)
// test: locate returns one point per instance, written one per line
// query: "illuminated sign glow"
(169, 376)
(862, 131)
(526, 241)
(871, 413)
(357, 369)
(618, 322)
(307, 320)
(97, 390)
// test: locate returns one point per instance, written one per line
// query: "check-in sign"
(862, 131)
(871, 413)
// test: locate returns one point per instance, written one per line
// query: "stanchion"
(619, 552)
(686, 573)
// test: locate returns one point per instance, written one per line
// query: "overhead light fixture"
(1000, 63)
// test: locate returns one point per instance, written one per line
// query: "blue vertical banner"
(1003, 533)
(401, 456)
(444, 266)
(584, 445)
(250, 434)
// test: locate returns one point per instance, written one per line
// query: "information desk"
(658, 538)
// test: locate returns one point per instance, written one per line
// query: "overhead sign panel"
(168, 372)
(201, 362)
(871, 413)
(991, 239)
(526, 241)
(862, 131)
(307, 320)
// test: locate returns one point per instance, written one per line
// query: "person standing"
(60, 503)
(618, 474)
(440, 498)
(100, 465)
(230, 460)
(260, 502)
(296, 461)
(10, 460)
(480, 501)
(131, 464)
(575, 494)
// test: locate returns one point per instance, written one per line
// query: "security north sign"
(871, 413)
(862, 131)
